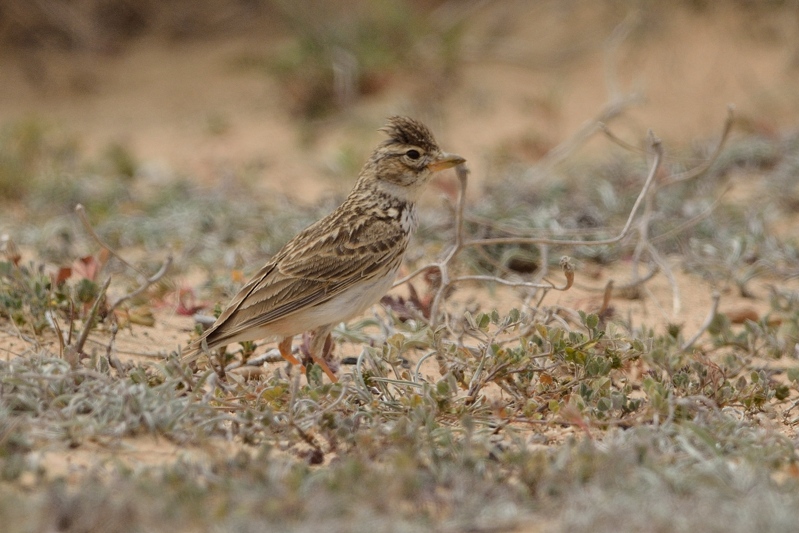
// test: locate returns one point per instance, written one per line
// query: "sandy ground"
(550, 71)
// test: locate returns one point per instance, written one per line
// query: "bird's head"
(405, 161)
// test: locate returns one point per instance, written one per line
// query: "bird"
(341, 265)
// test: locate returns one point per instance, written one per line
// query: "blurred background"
(289, 94)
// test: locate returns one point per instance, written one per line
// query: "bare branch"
(606, 297)
(625, 287)
(568, 242)
(639, 219)
(701, 169)
(691, 173)
(155, 278)
(462, 172)
(619, 141)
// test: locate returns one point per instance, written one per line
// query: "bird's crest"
(405, 130)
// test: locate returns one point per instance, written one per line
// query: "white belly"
(341, 308)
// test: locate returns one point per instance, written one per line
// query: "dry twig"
(460, 242)
(639, 220)
(73, 352)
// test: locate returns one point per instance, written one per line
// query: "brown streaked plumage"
(339, 266)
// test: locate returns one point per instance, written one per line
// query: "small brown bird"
(339, 266)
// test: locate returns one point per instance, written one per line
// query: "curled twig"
(701, 169)
(146, 283)
(459, 242)
(638, 221)
(645, 242)
(442, 266)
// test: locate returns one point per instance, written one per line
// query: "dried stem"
(146, 283)
(442, 266)
(638, 220)
(658, 149)
(72, 352)
(701, 169)
(645, 241)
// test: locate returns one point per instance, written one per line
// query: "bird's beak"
(445, 161)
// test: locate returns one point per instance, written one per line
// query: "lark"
(341, 265)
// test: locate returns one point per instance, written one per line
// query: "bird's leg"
(285, 351)
(321, 348)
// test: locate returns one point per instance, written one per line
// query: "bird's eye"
(413, 154)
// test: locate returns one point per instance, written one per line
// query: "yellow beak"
(445, 161)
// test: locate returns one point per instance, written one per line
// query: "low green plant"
(32, 299)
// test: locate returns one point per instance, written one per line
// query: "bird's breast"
(408, 219)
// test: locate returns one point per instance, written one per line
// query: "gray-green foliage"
(579, 423)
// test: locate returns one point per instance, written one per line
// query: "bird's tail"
(198, 346)
(196, 349)
(192, 352)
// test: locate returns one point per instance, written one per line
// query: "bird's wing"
(309, 271)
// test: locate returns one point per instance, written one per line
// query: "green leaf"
(483, 320)
(314, 374)
(603, 405)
